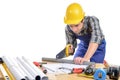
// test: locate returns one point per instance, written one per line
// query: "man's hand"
(71, 49)
(79, 60)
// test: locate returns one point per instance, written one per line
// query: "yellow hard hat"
(74, 14)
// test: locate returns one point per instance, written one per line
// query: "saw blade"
(61, 54)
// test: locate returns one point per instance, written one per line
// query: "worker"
(92, 46)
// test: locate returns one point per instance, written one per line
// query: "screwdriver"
(77, 70)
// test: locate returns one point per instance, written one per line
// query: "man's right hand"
(71, 50)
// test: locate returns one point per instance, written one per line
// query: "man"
(92, 44)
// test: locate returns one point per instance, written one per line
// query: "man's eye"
(76, 25)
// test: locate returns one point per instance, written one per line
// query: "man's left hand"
(82, 60)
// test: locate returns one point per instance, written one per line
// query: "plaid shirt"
(90, 26)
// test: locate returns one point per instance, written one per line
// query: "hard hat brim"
(66, 21)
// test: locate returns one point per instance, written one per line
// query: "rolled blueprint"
(14, 69)
(29, 69)
(29, 76)
(43, 76)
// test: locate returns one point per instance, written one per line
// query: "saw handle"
(69, 50)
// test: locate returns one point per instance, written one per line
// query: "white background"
(35, 28)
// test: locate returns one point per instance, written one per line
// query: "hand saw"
(65, 52)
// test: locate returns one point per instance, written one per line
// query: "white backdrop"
(35, 28)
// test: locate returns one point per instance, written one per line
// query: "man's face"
(76, 28)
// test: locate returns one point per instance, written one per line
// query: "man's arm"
(91, 50)
(70, 38)
(96, 38)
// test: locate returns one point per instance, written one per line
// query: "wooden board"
(67, 77)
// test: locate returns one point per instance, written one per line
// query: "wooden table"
(67, 77)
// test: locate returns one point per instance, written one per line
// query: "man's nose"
(74, 29)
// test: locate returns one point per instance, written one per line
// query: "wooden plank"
(67, 77)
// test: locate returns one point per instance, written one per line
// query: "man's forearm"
(91, 50)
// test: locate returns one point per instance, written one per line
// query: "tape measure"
(100, 74)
